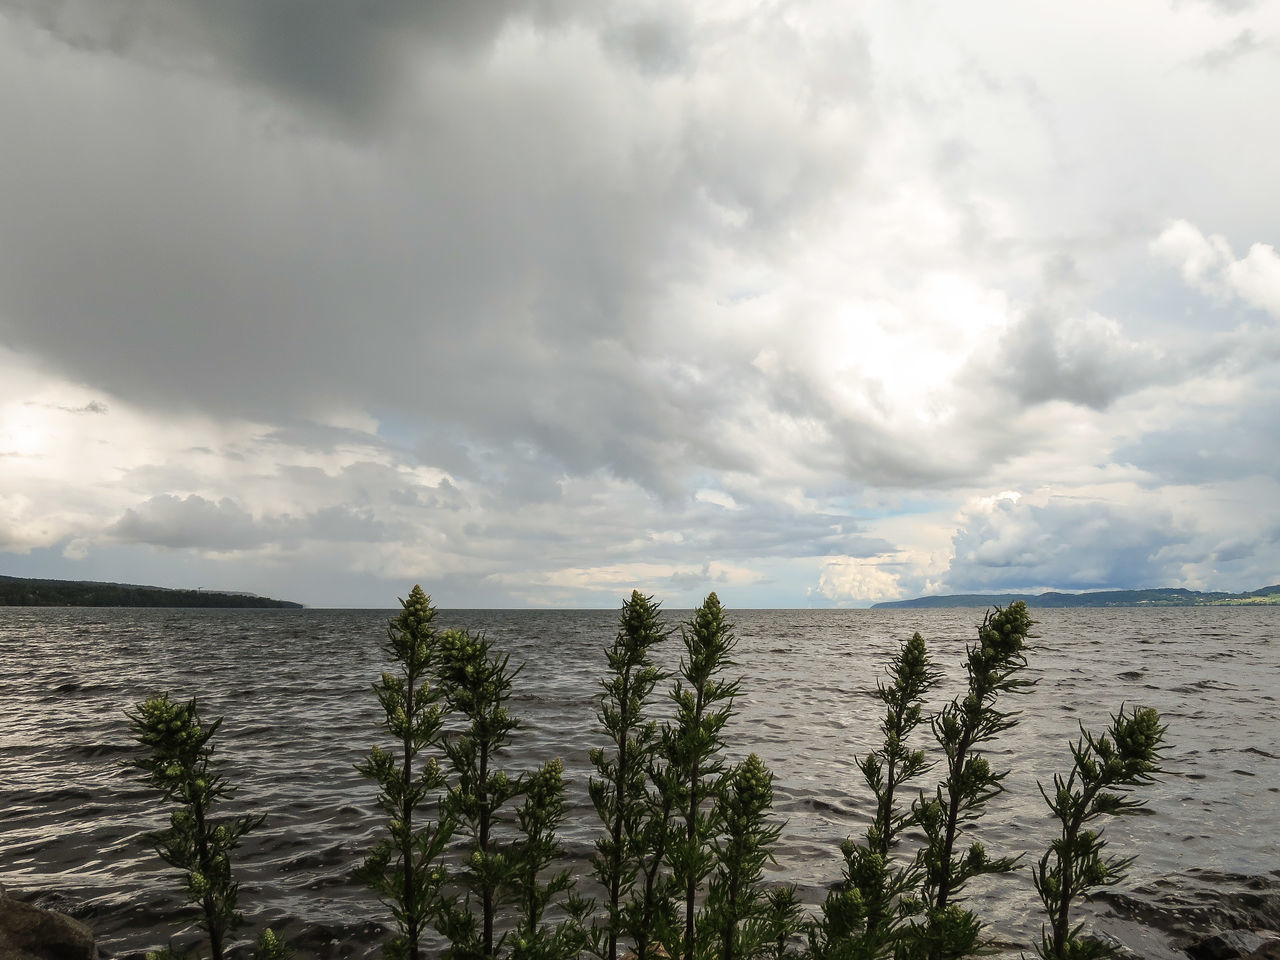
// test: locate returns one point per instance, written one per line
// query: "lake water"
(294, 687)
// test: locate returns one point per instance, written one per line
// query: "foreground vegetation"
(468, 855)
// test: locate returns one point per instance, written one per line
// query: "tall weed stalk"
(862, 918)
(477, 685)
(179, 763)
(692, 744)
(405, 867)
(961, 728)
(619, 792)
(1106, 769)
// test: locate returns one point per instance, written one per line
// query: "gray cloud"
(1227, 7)
(1205, 446)
(1066, 543)
(1082, 360)
(197, 523)
(343, 63)
(655, 45)
(192, 521)
(93, 406)
(1242, 45)
(499, 271)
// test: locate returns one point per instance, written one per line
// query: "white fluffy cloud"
(1209, 264)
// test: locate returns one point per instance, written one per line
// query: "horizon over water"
(294, 687)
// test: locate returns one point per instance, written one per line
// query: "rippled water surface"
(294, 686)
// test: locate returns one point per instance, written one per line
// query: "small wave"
(1260, 752)
(91, 751)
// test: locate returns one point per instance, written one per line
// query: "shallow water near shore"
(294, 687)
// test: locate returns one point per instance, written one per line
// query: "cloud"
(1244, 44)
(191, 521)
(858, 580)
(1065, 543)
(1226, 7)
(345, 63)
(1085, 360)
(93, 406)
(510, 253)
(512, 296)
(656, 45)
(1208, 264)
(1212, 443)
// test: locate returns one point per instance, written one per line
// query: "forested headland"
(23, 592)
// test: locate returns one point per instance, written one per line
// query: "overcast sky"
(537, 301)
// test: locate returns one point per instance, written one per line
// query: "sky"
(536, 302)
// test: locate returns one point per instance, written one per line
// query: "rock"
(31, 933)
(1268, 951)
(1229, 945)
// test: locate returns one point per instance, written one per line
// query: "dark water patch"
(92, 751)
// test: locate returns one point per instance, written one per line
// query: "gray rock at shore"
(31, 933)
(1268, 951)
(1229, 944)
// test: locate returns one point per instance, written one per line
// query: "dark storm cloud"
(346, 62)
(501, 265)
(1072, 544)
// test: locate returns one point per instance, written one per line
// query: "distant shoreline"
(1159, 597)
(24, 592)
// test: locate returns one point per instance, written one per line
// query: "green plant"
(620, 793)
(738, 911)
(540, 816)
(960, 728)
(691, 745)
(404, 867)
(477, 685)
(271, 946)
(887, 769)
(649, 914)
(784, 919)
(1105, 769)
(180, 765)
(862, 918)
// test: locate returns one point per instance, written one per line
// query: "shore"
(1203, 916)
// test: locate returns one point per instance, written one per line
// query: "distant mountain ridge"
(1157, 597)
(23, 592)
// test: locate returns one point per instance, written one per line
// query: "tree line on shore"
(27, 592)
(469, 852)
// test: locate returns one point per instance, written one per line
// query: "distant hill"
(21, 592)
(1160, 597)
